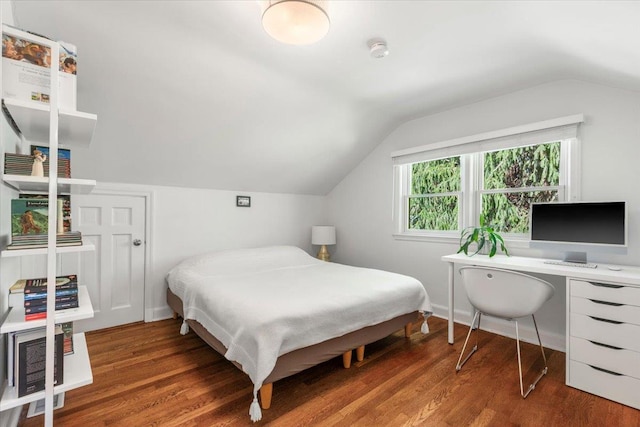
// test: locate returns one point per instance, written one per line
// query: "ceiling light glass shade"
(296, 22)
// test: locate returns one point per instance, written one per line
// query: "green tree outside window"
(512, 180)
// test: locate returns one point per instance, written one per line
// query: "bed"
(276, 311)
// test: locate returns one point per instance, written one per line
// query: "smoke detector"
(378, 48)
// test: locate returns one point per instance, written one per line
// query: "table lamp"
(323, 235)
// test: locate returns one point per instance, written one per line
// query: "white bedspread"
(265, 302)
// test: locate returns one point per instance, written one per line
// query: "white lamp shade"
(323, 235)
(297, 22)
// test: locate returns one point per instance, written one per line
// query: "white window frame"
(471, 150)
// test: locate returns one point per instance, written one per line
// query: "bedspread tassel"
(254, 410)
(184, 329)
(425, 327)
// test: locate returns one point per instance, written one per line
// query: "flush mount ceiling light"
(296, 22)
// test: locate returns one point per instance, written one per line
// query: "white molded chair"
(507, 295)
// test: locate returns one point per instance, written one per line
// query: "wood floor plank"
(150, 375)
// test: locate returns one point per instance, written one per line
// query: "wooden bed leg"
(407, 330)
(175, 315)
(346, 359)
(265, 395)
(360, 353)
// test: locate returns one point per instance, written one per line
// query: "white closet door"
(114, 272)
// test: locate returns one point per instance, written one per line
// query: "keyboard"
(571, 264)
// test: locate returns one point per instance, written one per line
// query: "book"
(18, 286)
(31, 292)
(30, 360)
(10, 358)
(21, 164)
(40, 245)
(43, 301)
(40, 284)
(43, 307)
(67, 330)
(64, 210)
(11, 366)
(41, 295)
(35, 316)
(29, 216)
(34, 241)
(19, 300)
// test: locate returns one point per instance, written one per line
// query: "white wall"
(187, 221)
(361, 205)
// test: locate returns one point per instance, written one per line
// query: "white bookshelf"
(77, 373)
(35, 124)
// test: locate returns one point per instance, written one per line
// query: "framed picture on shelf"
(243, 201)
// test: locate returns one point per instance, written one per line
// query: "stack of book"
(30, 222)
(32, 295)
(33, 241)
(26, 360)
(21, 164)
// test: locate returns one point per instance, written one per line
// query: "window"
(513, 179)
(437, 195)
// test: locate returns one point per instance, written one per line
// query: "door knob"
(137, 242)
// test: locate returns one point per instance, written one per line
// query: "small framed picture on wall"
(243, 201)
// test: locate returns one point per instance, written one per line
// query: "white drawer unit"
(603, 339)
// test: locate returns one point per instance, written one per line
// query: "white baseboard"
(505, 328)
(158, 313)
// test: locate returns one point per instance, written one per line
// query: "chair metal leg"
(540, 342)
(475, 347)
(542, 373)
(519, 361)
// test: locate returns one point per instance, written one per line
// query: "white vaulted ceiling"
(196, 94)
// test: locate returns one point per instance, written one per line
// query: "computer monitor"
(578, 227)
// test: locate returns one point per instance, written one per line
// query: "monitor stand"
(576, 257)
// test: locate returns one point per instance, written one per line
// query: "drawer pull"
(605, 345)
(597, 301)
(606, 285)
(606, 371)
(600, 319)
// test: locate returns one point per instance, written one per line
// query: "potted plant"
(484, 237)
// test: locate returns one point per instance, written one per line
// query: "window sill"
(434, 238)
(510, 243)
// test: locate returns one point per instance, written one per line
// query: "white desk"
(603, 322)
(628, 274)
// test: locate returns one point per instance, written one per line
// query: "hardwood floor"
(150, 375)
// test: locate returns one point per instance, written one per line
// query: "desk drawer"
(619, 388)
(608, 292)
(618, 360)
(623, 335)
(606, 310)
